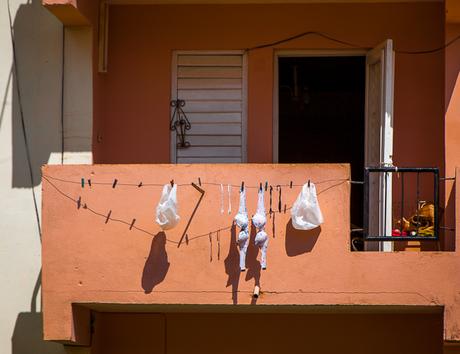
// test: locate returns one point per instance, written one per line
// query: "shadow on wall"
(157, 264)
(38, 42)
(252, 263)
(38, 39)
(5, 96)
(28, 336)
(299, 241)
(232, 267)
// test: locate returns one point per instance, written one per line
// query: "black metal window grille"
(384, 176)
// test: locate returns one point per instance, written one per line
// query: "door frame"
(382, 53)
(244, 96)
(299, 53)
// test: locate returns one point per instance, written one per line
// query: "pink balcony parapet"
(92, 259)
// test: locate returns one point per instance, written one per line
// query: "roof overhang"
(75, 12)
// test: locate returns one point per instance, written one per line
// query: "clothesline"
(116, 183)
(81, 204)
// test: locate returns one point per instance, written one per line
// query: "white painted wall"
(38, 37)
(78, 96)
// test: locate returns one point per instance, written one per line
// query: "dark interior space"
(321, 115)
(272, 333)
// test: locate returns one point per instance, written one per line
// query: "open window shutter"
(379, 136)
(212, 84)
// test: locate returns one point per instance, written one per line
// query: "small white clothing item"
(306, 213)
(259, 220)
(167, 210)
(221, 198)
(229, 189)
(261, 241)
(241, 219)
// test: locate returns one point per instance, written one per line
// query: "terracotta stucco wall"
(133, 96)
(90, 259)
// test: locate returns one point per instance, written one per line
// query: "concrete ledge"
(68, 14)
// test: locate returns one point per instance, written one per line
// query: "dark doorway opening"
(321, 115)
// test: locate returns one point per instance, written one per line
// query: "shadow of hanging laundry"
(299, 241)
(232, 265)
(157, 264)
(252, 264)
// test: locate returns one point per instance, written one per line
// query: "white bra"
(259, 219)
(241, 218)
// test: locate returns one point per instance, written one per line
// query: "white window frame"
(244, 90)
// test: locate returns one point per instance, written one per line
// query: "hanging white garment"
(243, 243)
(259, 220)
(241, 219)
(261, 241)
(167, 210)
(221, 198)
(229, 188)
(306, 213)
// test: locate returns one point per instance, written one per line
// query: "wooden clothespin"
(115, 181)
(256, 292)
(132, 224)
(266, 185)
(140, 184)
(172, 183)
(260, 186)
(308, 183)
(242, 186)
(108, 216)
(290, 185)
(89, 182)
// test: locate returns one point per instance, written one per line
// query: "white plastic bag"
(305, 213)
(167, 213)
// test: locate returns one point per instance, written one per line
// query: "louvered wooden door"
(213, 86)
